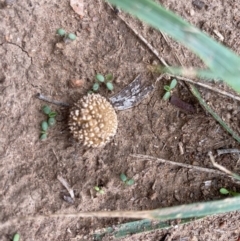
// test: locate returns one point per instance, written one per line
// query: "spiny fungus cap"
(93, 120)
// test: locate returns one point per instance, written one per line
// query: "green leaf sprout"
(43, 137)
(44, 126)
(51, 121)
(130, 182)
(169, 88)
(46, 109)
(16, 237)
(109, 77)
(127, 181)
(67, 37)
(109, 86)
(52, 114)
(224, 191)
(71, 36)
(95, 87)
(99, 190)
(103, 79)
(61, 32)
(123, 177)
(100, 78)
(173, 84)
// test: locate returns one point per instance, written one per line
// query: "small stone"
(194, 238)
(198, 4)
(76, 83)
(191, 12)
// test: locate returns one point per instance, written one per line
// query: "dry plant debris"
(78, 7)
(93, 121)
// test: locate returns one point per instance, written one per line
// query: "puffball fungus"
(93, 120)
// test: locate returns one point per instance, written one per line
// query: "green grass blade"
(198, 209)
(130, 228)
(178, 212)
(221, 60)
(196, 93)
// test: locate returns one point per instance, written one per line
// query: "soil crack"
(23, 50)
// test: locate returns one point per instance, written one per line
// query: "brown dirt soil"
(34, 60)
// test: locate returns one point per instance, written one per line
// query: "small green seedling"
(127, 181)
(95, 87)
(100, 78)
(43, 136)
(52, 114)
(51, 121)
(99, 189)
(169, 89)
(46, 124)
(109, 77)
(66, 36)
(61, 32)
(107, 80)
(109, 86)
(46, 109)
(71, 36)
(224, 191)
(16, 237)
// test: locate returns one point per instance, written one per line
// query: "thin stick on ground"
(63, 181)
(227, 151)
(222, 168)
(49, 100)
(66, 185)
(193, 167)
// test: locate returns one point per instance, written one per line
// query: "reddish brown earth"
(34, 60)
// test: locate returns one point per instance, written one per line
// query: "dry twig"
(227, 151)
(222, 168)
(193, 167)
(55, 102)
(66, 185)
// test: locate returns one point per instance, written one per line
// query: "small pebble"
(229, 116)
(9, 2)
(198, 4)
(192, 12)
(95, 19)
(68, 199)
(76, 83)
